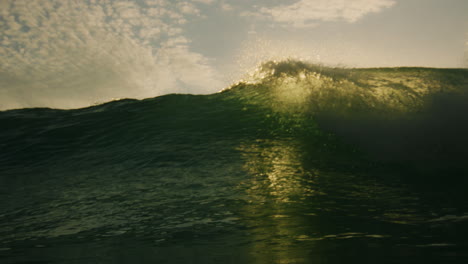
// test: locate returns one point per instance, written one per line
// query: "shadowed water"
(300, 164)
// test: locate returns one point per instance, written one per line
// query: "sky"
(76, 53)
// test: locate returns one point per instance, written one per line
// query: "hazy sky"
(75, 53)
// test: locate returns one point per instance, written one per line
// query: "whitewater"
(298, 163)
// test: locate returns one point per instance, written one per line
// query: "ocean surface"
(299, 163)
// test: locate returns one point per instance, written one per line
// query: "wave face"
(298, 163)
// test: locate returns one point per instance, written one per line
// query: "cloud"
(188, 8)
(226, 6)
(68, 54)
(307, 13)
(204, 1)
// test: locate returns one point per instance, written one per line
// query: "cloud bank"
(68, 54)
(307, 13)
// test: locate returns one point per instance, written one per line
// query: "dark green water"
(303, 164)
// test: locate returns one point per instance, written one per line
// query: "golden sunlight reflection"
(278, 185)
(276, 168)
(293, 205)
